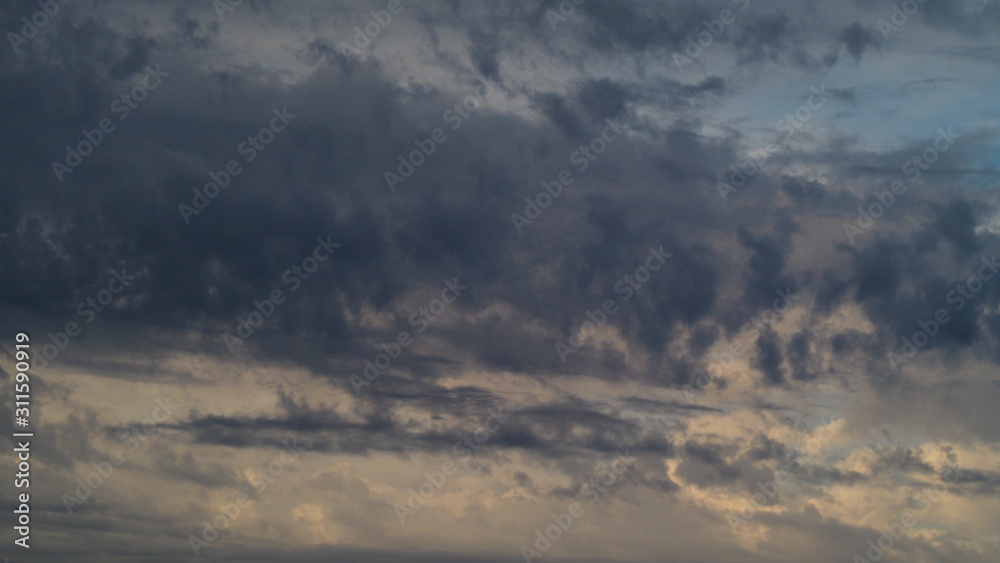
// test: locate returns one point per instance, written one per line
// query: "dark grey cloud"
(857, 39)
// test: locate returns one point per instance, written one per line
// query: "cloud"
(698, 451)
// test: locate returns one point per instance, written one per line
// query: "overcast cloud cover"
(780, 246)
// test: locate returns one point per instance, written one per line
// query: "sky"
(469, 281)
